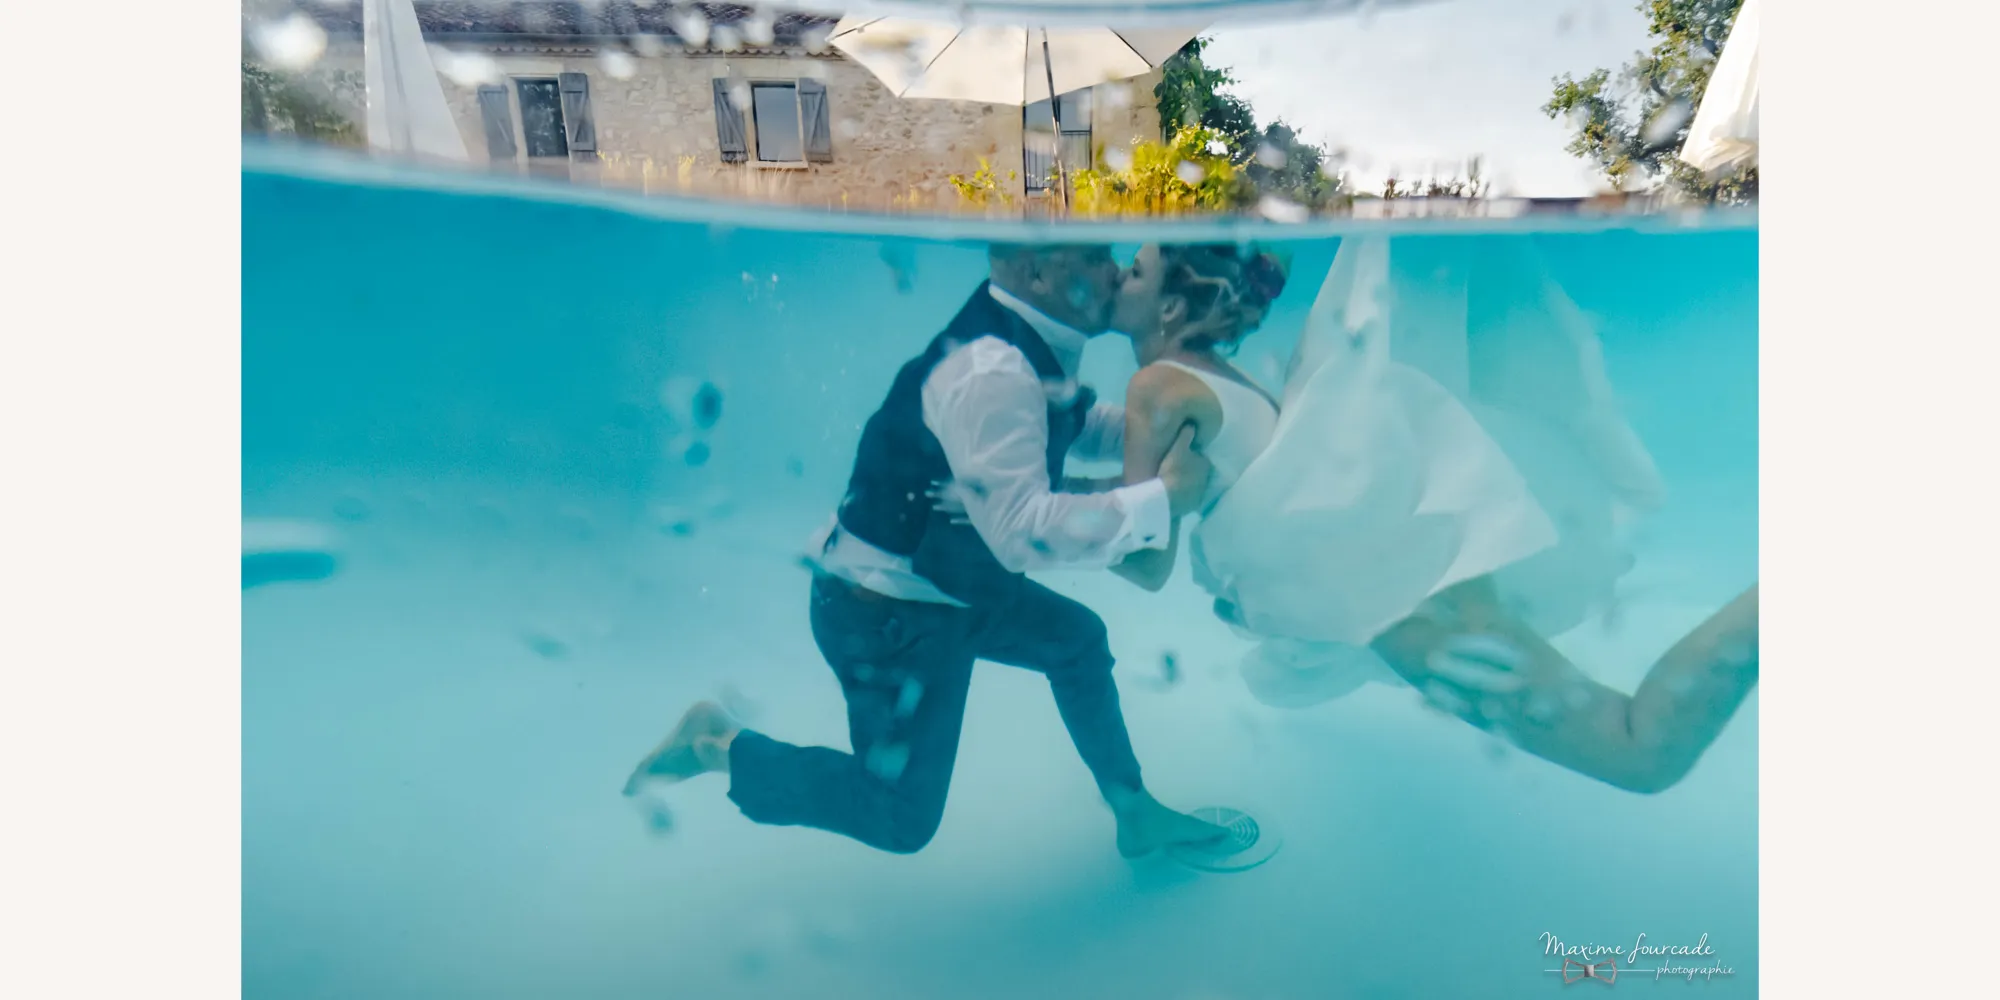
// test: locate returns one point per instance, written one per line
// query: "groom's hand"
(1185, 474)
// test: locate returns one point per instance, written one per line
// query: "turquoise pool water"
(533, 578)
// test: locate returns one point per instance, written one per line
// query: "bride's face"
(1139, 310)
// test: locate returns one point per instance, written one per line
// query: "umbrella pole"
(1055, 115)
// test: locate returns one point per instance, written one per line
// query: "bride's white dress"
(1446, 415)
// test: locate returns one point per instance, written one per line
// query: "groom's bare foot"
(691, 749)
(1145, 825)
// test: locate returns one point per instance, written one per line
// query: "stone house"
(721, 98)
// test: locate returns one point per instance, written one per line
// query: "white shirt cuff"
(1149, 518)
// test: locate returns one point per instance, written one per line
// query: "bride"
(1423, 505)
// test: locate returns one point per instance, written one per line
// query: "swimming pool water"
(537, 571)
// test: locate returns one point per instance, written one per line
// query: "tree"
(1632, 126)
(1271, 157)
(1175, 177)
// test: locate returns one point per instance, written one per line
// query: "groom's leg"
(904, 668)
(1046, 632)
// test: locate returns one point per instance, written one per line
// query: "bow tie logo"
(1605, 972)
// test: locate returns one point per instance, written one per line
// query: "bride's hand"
(1185, 474)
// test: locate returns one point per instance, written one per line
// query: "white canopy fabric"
(406, 109)
(1724, 132)
(1000, 64)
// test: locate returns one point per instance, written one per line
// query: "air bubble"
(887, 761)
(908, 698)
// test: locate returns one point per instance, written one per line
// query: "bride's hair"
(1227, 290)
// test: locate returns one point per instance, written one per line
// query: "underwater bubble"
(1667, 122)
(1738, 653)
(1270, 156)
(1118, 158)
(692, 25)
(1442, 698)
(1576, 695)
(544, 644)
(909, 697)
(467, 69)
(1190, 173)
(491, 513)
(887, 760)
(294, 44)
(352, 509)
(617, 65)
(276, 551)
(1542, 707)
(675, 520)
(1279, 209)
(743, 707)
(575, 523)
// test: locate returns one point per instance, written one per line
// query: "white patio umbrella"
(1001, 64)
(406, 108)
(1724, 131)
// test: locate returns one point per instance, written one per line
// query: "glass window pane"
(1076, 111)
(1036, 118)
(776, 106)
(541, 118)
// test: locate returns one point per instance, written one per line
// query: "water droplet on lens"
(1271, 156)
(1190, 173)
(544, 645)
(467, 69)
(1278, 209)
(617, 65)
(352, 509)
(293, 44)
(887, 761)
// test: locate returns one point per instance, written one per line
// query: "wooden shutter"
(579, 125)
(499, 121)
(814, 119)
(729, 125)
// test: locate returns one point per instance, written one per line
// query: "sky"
(1426, 86)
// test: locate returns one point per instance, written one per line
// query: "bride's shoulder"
(1163, 386)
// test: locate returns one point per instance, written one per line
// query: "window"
(542, 130)
(551, 116)
(775, 111)
(1039, 141)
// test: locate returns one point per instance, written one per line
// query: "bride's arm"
(1158, 408)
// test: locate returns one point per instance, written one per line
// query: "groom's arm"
(1103, 436)
(989, 411)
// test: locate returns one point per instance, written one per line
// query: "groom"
(906, 596)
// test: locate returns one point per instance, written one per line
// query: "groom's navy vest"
(888, 502)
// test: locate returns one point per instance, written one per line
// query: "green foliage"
(1472, 185)
(1272, 158)
(279, 104)
(1158, 180)
(1633, 125)
(983, 187)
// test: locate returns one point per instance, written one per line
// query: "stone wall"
(656, 126)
